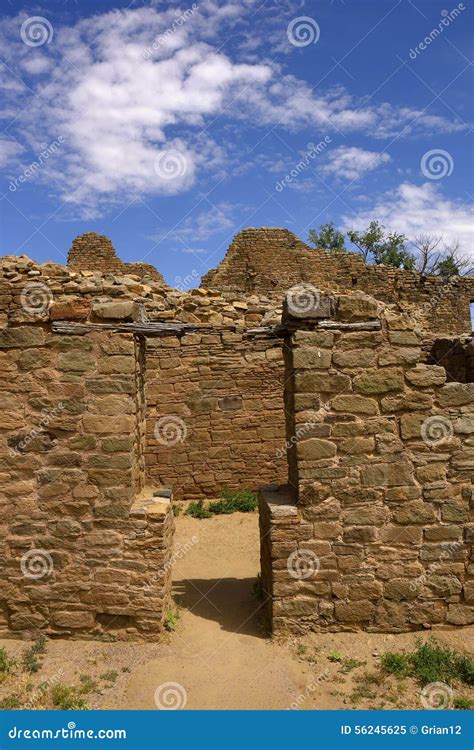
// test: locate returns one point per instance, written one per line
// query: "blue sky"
(169, 127)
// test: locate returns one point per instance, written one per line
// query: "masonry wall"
(375, 529)
(215, 414)
(270, 261)
(84, 548)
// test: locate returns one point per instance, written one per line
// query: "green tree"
(328, 238)
(381, 248)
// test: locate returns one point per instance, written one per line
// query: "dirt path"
(219, 652)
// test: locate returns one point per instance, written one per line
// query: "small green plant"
(68, 698)
(31, 661)
(463, 704)
(6, 664)
(88, 684)
(301, 649)
(126, 669)
(172, 619)
(196, 509)
(349, 664)
(394, 663)
(335, 656)
(244, 501)
(367, 682)
(110, 676)
(177, 509)
(11, 701)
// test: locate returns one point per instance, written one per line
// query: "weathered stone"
(22, 337)
(425, 376)
(387, 475)
(354, 358)
(315, 449)
(311, 357)
(415, 512)
(72, 308)
(354, 404)
(361, 611)
(456, 394)
(126, 310)
(356, 307)
(399, 356)
(379, 381)
(76, 360)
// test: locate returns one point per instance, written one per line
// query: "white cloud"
(8, 150)
(121, 86)
(421, 209)
(200, 225)
(350, 163)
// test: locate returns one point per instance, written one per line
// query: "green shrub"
(68, 698)
(463, 704)
(431, 662)
(30, 661)
(11, 701)
(172, 619)
(235, 502)
(6, 664)
(197, 510)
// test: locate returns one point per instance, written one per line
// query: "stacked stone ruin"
(119, 391)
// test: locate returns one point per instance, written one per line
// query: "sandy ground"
(220, 656)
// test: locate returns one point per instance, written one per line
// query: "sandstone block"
(315, 449)
(425, 376)
(354, 404)
(379, 381)
(361, 611)
(356, 307)
(311, 357)
(354, 358)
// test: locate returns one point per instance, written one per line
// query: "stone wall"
(375, 528)
(94, 252)
(270, 261)
(85, 547)
(215, 414)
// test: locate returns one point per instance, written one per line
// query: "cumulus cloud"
(421, 209)
(351, 163)
(122, 87)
